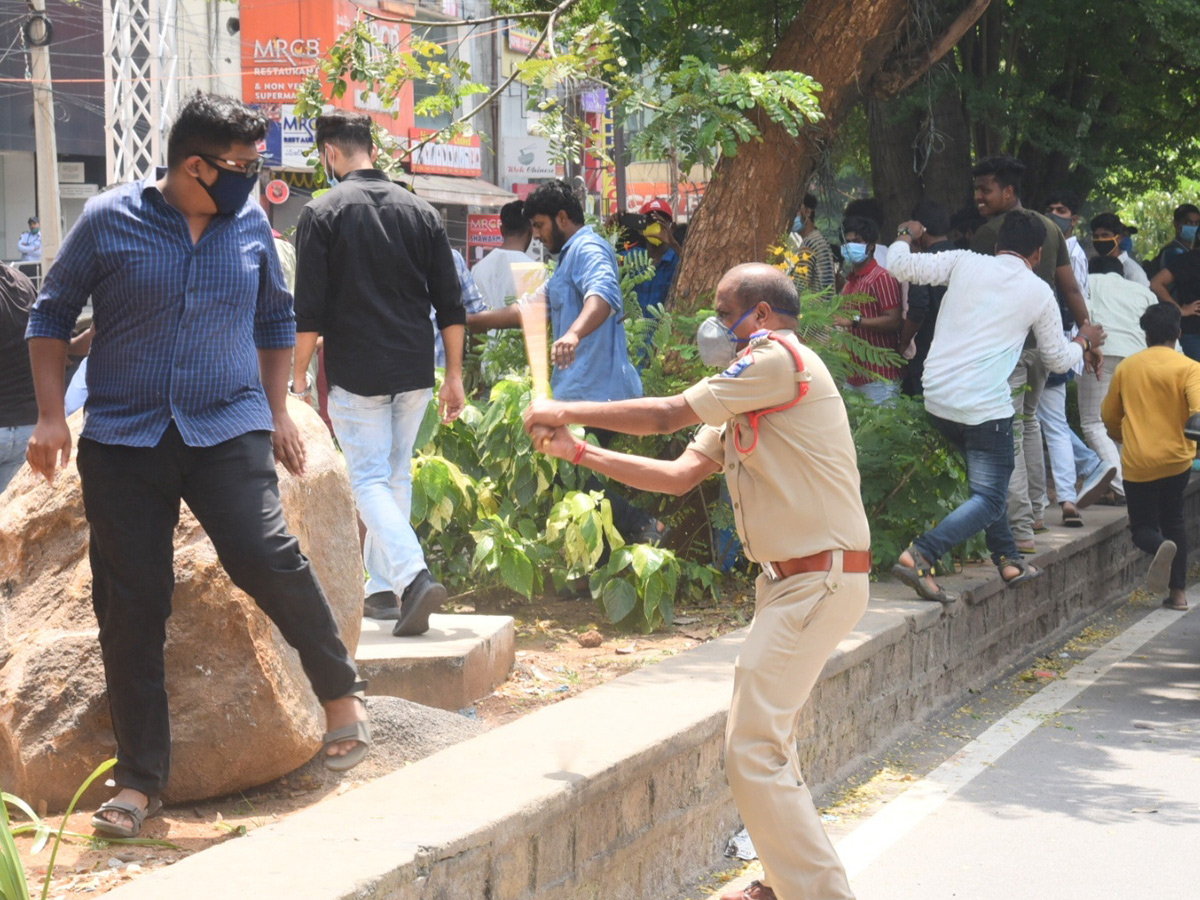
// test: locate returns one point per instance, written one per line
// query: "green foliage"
(701, 107)
(1088, 92)
(702, 111)
(1152, 212)
(911, 478)
(493, 513)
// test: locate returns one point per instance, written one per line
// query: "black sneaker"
(420, 599)
(381, 605)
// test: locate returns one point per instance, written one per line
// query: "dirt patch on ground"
(563, 648)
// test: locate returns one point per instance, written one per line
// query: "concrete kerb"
(620, 792)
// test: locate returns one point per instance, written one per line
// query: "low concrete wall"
(620, 793)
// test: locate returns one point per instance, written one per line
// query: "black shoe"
(420, 599)
(381, 605)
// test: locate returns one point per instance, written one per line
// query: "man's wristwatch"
(295, 393)
(856, 317)
(1087, 345)
(904, 232)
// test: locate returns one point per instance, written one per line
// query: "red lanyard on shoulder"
(802, 379)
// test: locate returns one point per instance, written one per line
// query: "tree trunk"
(948, 173)
(901, 175)
(893, 126)
(752, 196)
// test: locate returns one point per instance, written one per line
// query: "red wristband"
(580, 449)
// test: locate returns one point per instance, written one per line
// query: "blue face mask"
(855, 253)
(330, 174)
(798, 224)
(1188, 233)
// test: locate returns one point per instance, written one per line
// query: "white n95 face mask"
(718, 344)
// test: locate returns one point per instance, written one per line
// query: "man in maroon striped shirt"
(877, 319)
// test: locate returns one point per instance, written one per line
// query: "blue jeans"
(13, 441)
(1070, 458)
(880, 393)
(376, 435)
(988, 451)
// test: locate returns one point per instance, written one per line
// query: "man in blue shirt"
(187, 401)
(590, 354)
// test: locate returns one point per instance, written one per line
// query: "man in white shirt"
(1117, 304)
(1063, 208)
(991, 303)
(493, 274)
(1069, 459)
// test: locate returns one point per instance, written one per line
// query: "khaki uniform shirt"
(797, 492)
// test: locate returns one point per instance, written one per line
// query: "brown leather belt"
(854, 562)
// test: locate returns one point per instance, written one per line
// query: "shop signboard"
(527, 158)
(639, 192)
(282, 43)
(296, 137)
(522, 39)
(460, 155)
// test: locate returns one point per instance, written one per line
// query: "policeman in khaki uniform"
(774, 423)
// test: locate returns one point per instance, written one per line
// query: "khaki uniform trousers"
(798, 623)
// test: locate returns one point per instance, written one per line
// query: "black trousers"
(1156, 514)
(131, 498)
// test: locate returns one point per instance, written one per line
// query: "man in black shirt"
(372, 260)
(924, 300)
(1178, 283)
(18, 406)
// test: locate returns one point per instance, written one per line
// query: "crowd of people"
(183, 268)
(950, 269)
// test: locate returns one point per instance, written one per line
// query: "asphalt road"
(1090, 790)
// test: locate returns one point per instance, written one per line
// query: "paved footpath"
(1089, 790)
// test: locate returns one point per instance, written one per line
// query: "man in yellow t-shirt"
(1152, 394)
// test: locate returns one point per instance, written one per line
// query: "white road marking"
(872, 838)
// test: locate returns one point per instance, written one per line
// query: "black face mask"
(1104, 246)
(231, 189)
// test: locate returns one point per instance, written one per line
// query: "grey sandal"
(356, 731)
(1025, 572)
(136, 813)
(914, 577)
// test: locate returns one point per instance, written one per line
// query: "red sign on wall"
(283, 42)
(483, 230)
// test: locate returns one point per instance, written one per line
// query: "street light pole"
(38, 36)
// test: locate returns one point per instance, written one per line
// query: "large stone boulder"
(242, 712)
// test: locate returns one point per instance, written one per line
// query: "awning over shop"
(458, 191)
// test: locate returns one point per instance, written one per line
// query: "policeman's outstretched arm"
(642, 415)
(662, 476)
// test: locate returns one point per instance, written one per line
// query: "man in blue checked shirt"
(187, 397)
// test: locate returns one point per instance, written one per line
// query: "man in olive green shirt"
(997, 193)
